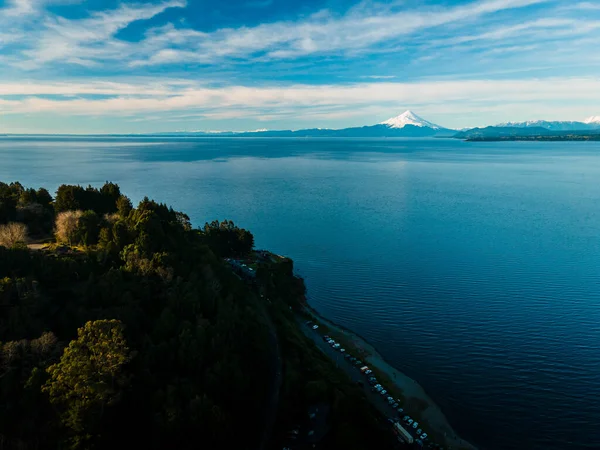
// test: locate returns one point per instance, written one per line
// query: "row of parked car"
(395, 403)
(376, 387)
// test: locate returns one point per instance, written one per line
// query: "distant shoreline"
(593, 137)
(410, 388)
(558, 138)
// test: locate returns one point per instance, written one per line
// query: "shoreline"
(411, 389)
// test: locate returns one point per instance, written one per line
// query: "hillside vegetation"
(128, 330)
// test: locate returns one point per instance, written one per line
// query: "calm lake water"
(472, 267)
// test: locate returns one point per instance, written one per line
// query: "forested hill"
(129, 330)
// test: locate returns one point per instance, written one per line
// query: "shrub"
(67, 223)
(12, 234)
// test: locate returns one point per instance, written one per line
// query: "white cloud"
(363, 27)
(90, 41)
(479, 39)
(17, 8)
(376, 100)
(585, 6)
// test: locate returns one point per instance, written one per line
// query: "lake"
(472, 267)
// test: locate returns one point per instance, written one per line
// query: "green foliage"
(198, 331)
(124, 206)
(28, 206)
(88, 228)
(101, 201)
(89, 378)
(146, 281)
(226, 239)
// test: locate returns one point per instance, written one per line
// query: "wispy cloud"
(92, 40)
(379, 77)
(88, 41)
(323, 32)
(361, 63)
(19, 8)
(332, 101)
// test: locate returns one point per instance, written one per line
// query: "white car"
(415, 425)
(315, 327)
(342, 350)
(424, 436)
(410, 421)
(383, 392)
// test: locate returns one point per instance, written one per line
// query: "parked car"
(424, 436)
(383, 392)
(343, 350)
(410, 421)
(315, 327)
(394, 405)
(368, 372)
(358, 362)
(400, 410)
(419, 431)
(415, 425)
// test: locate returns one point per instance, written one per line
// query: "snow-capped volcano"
(409, 118)
(593, 119)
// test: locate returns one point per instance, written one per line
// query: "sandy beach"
(414, 394)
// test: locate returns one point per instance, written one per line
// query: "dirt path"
(36, 246)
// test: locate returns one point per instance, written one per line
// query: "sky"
(108, 66)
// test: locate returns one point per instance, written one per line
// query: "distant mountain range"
(409, 124)
(592, 123)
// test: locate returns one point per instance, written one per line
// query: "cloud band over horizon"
(460, 64)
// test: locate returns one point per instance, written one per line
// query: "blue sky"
(69, 66)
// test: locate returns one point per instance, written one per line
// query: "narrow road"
(355, 374)
(276, 380)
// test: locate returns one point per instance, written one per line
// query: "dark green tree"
(124, 206)
(88, 228)
(89, 378)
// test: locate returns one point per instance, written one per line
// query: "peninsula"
(126, 327)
